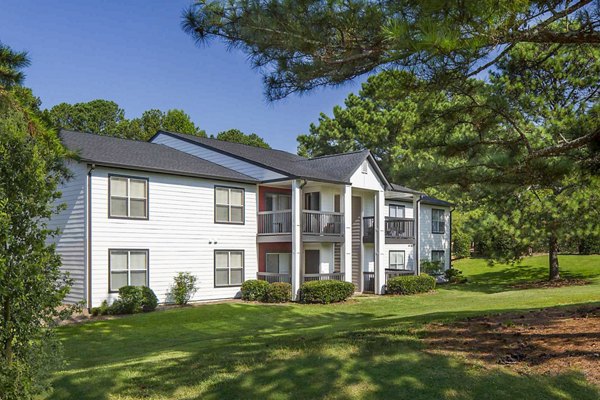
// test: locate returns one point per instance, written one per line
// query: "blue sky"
(135, 53)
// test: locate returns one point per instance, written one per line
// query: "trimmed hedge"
(325, 292)
(278, 292)
(254, 290)
(132, 299)
(410, 284)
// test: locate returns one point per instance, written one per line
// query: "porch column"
(380, 256)
(347, 248)
(296, 237)
(417, 233)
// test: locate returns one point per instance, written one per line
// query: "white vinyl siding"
(430, 241)
(181, 235)
(71, 221)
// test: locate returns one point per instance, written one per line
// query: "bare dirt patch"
(551, 284)
(548, 341)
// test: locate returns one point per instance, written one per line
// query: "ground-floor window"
(438, 256)
(397, 259)
(127, 267)
(279, 263)
(229, 267)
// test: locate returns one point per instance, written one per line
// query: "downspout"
(417, 237)
(89, 235)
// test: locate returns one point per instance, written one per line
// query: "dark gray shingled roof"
(133, 154)
(335, 168)
(404, 189)
(435, 202)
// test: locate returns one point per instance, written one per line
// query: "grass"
(367, 348)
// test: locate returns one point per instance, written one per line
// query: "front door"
(312, 261)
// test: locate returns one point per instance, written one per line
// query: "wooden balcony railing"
(273, 222)
(272, 277)
(334, 276)
(392, 273)
(399, 228)
(322, 223)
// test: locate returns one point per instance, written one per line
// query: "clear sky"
(135, 53)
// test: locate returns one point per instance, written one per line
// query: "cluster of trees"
(518, 149)
(105, 117)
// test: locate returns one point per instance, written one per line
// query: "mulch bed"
(551, 284)
(548, 341)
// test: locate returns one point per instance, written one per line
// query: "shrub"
(184, 287)
(104, 309)
(134, 299)
(454, 275)
(149, 299)
(325, 292)
(277, 292)
(410, 284)
(431, 267)
(254, 290)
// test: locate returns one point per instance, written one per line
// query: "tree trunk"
(553, 257)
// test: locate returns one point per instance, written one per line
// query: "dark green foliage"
(431, 267)
(104, 309)
(454, 275)
(410, 284)
(184, 287)
(300, 45)
(325, 292)
(32, 287)
(149, 299)
(11, 64)
(134, 299)
(277, 292)
(254, 290)
(237, 136)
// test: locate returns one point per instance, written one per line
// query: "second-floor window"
(396, 211)
(229, 205)
(278, 202)
(128, 197)
(438, 223)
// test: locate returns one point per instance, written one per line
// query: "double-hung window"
(438, 256)
(396, 211)
(127, 267)
(279, 263)
(229, 267)
(229, 205)
(397, 259)
(128, 197)
(438, 223)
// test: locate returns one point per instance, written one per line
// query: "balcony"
(399, 230)
(334, 276)
(322, 224)
(275, 222)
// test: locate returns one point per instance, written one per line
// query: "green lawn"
(367, 348)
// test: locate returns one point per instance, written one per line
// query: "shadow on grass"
(326, 355)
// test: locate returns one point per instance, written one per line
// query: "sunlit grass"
(366, 348)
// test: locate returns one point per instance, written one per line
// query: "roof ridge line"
(335, 155)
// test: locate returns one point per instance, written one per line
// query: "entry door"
(356, 241)
(312, 261)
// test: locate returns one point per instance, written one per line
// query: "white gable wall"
(180, 234)
(70, 244)
(233, 163)
(369, 181)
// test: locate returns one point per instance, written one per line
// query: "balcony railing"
(272, 277)
(369, 277)
(392, 273)
(273, 222)
(399, 228)
(334, 276)
(322, 223)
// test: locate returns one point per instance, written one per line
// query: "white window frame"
(129, 269)
(390, 260)
(229, 205)
(279, 254)
(438, 225)
(229, 269)
(128, 196)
